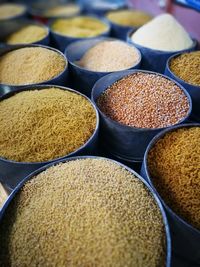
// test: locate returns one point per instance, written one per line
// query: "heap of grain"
(163, 33)
(86, 212)
(110, 56)
(41, 125)
(27, 35)
(81, 26)
(8, 11)
(62, 10)
(174, 165)
(144, 100)
(187, 67)
(132, 18)
(30, 65)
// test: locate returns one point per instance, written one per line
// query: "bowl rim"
(146, 169)
(174, 76)
(46, 86)
(156, 199)
(99, 18)
(193, 46)
(97, 41)
(8, 49)
(127, 127)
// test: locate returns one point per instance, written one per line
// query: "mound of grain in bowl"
(10, 10)
(27, 34)
(163, 33)
(86, 212)
(30, 65)
(132, 18)
(174, 165)
(81, 26)
(110, 56)
(62, 11)
(144, 100)
(41, 125)
(187, 67)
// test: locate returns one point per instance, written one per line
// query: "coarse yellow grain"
(41, 125)
(174, 165)
(187, 67)
(27, 35)
(87, 212)
(30, 65)
(10, 10)
(81, 26)
(132, 18)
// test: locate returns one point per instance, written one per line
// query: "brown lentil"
(30, 65)
(87, 212)
(41, 125)
(174, 165)
(144, 100)
(110, 56)
(187, 67)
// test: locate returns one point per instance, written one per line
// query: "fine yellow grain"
(132, 18)
(62, 10)
(41, 125)
(88, 212)
(10, 10)
(81, 26)
(27, 34)
(30, 65)
(174, 165)
(110, 56)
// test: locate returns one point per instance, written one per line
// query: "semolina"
(163, 33)
(41, 125)
(30, 65)
(86, 212)
(27, 35)
(80, 27)
(110, 56)
(187, 67)
(8, 11)
(174, 166)
(62, 10)
(132, 18)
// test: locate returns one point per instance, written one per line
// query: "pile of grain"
(62, 10)
(87, 212)
(41, 125)
(11, 10)
(187, 67)
(163, 33)
(27, 35)
(81, 26)
(132, 18)
(174, 165)
(110, 56)
(30, 65)
(144, 100)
